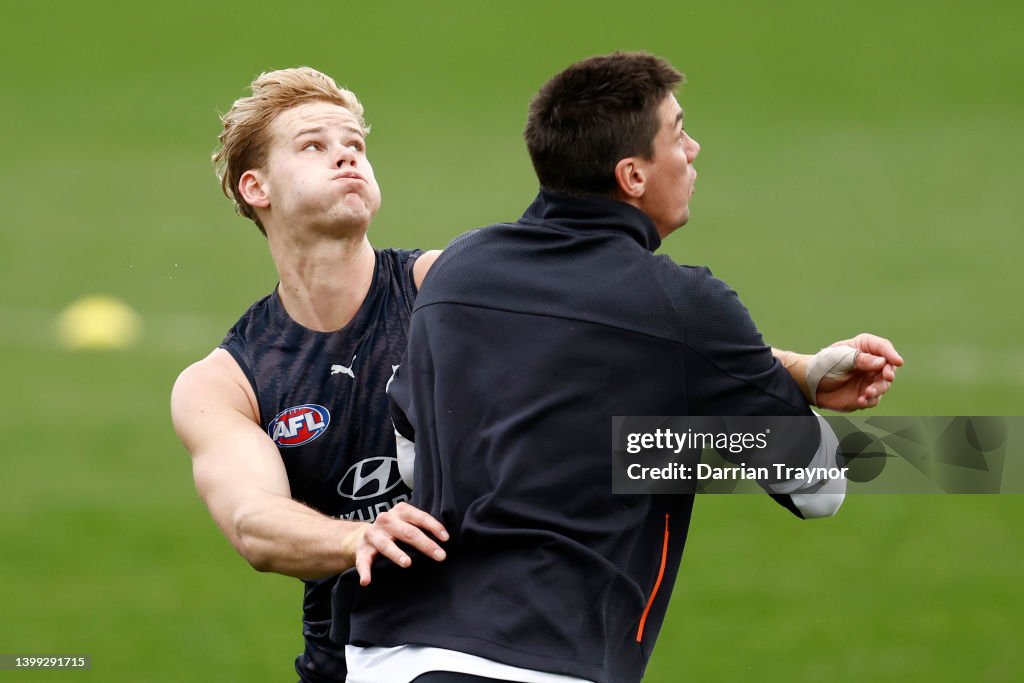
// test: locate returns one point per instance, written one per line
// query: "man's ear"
(251, 187)
(631, 178)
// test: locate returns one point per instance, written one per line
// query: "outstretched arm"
(239, 474)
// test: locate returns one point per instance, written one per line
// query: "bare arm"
(241, 478)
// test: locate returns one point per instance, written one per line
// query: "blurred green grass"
(860, 170)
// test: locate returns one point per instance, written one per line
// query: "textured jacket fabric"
(526, 338)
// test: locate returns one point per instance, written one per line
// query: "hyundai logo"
(370, 478)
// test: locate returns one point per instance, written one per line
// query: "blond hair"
(245, 140)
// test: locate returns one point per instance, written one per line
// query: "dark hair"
(590, 116)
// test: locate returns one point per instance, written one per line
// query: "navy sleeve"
(729, 370)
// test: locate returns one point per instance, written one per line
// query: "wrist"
(350, 542)
(796, 364)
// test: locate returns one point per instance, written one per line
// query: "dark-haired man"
(512, 376)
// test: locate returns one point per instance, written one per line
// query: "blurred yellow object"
(98, 322)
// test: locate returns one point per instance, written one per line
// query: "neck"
(638, 203)
(323, 281)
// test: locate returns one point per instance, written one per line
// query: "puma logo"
(342, 370)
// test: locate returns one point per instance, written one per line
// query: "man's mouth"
(349, 175)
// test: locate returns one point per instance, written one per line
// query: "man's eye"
(356, 146)
(310, 145)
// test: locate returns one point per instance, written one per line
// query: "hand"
(863, 387)
(403, 523)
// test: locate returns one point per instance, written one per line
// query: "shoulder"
(731, 369)
(716, 323)
(399, 257)
(710, 308)
(414, 263)
(402, 271)
(255, 317)
(423, 264)
(216, 382)
(696, 282)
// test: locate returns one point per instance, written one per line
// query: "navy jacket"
(525, 340)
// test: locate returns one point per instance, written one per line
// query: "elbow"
(248, 544)
(826, 497)
(818, 505)
(259, 562)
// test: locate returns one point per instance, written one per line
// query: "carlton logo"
(370, 478)
(299, 425)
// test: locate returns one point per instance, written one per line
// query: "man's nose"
(346, 156)
(692, 150)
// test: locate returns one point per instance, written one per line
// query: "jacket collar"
(592, 213)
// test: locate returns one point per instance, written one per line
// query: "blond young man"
(286, 421)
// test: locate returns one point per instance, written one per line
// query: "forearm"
(277, 534)
(796, 365)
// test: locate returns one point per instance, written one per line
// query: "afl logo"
(299, 425)
(370, 478)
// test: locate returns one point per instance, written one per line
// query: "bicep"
(233, 460)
